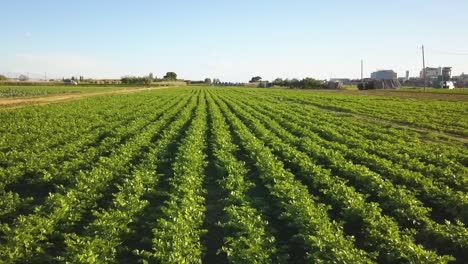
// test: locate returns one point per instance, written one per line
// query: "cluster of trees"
(23, 78)
(208, 81)
(228, 84)
(170, 76)
(3, 78)
(131, 80)
(147, 80)
(255, 79)
(306, 83)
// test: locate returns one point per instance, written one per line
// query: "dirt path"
(8, 103)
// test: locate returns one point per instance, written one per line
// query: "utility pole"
(424, 68)
(362, 74)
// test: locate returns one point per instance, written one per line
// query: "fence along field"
(225, 175)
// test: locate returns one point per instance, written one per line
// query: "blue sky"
(230, 40)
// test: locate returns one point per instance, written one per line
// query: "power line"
(449, 53)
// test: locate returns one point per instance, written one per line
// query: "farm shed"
(379, 84)
(334, 85)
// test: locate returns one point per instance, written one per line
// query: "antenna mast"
(424, 68)
(362, 74)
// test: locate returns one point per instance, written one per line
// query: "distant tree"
(310, 83)
(306, 83)
(23, 78)
(208, 81)
(278, 81)
(150, 76)
(264, 84)
(132, 80)
(3, 78)
(216, 81)
(256, 79)
(73, 78)
(147, 81)
(125, 80)
(170, 76)
(294, 83)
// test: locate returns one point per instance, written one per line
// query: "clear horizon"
(232, 41)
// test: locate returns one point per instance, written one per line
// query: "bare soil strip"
(8, 103)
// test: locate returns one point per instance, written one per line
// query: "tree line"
(147, 80)
(306, 83)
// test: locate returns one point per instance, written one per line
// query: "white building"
(431, 73)
(384, 75)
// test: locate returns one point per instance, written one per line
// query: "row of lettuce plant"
(324, 239)
(176, 235)
(102, 239)
(454, 203)
(29, 235)
(246, 232)
(402, 203)
(382, 236)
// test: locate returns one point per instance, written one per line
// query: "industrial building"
(461, 81)
(446, 73)
(431, 73)
(384, 75)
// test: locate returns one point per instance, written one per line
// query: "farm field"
(232, 175)
(8, 91)
(56, 94)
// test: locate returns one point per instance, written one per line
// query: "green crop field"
(235, 175)
(9, 91)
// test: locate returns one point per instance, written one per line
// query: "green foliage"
(47, 90)
(177, 234)
(247, 239)
(80, 180)
(131, 80)
(306, 83)
(170, 76)
(324, 239)
(381, 233)
(255, 79)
